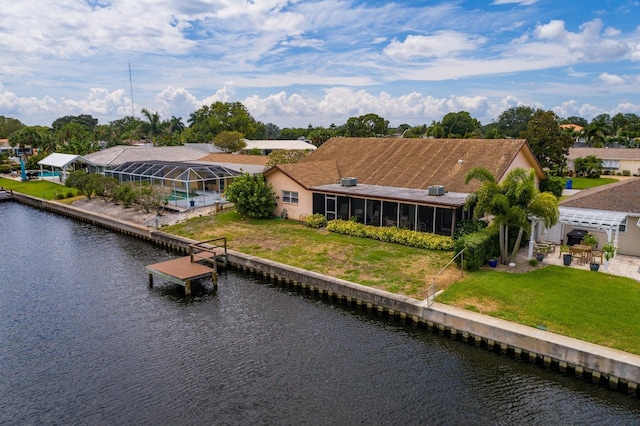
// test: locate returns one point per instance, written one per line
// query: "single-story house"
(614, 160)
(413, 183)
(610, 212)
(265, 147)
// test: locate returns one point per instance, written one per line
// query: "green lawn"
(590, 306)
(37, 188)
(584, 183)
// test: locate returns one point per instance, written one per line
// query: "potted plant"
(539, 256)
(609, 251)
(493, 263)
(590, 240)
(594, 266)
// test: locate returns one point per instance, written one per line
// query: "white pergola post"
(531, 238)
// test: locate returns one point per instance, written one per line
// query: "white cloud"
(607, 78)
(441, 44)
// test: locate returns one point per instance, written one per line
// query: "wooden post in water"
(150, 280)
(214, 279)
(187, 287)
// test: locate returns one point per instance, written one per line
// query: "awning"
(61, 161)
(589, 218)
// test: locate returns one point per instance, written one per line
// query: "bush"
(70, 194)
(59, 196)
(479, 248)
(405, 237)
(553, 184)
(626, 173)
(316, 221)
(5, 168)
(252, 196)
(466, 227)
(533, 262)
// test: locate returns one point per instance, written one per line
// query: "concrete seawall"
(611, 367)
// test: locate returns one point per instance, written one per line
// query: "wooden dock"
(202, 262)
(6, 194)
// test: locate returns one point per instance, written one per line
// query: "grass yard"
(584, 183)
(37, 188)
(594, 307)
(391, 267)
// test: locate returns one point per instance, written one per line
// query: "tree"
(252, 196)
(153, 126)
(460, 125)
(229, 141)
(208, 121)
(589, 166)
(8, 126)
(285, 157)
(435, 130)
(511, 203)
(366, 126)
(579, 121)
(84, 120)
(548, 142)
(33, 136)
(272, 131)
(514, 121)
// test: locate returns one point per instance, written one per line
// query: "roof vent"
(436, 190)
(348, 181)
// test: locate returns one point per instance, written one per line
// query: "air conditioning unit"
(348, 181)
(436, 190)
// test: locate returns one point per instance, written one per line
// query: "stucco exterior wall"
(281, 183)
(522, 161)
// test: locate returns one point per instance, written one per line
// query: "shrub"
(70, 194)
(465, 227)
(5, 168)
(553, 184)
(533, 262)
(404, 237)
(479, 248)
(626, 173)
(252, 196)
(316, 221)
(59, 196)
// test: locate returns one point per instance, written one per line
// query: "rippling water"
(83, 340)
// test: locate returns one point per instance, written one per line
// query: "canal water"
(83, 340)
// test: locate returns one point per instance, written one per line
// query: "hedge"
(404, 237)
(480, 247)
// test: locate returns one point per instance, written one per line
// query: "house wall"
(280, 183)
(522, 161)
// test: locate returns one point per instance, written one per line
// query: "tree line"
(226, 124)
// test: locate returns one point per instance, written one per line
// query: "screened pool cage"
(192, 185)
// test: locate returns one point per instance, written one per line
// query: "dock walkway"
(6, 194)
(202, 262)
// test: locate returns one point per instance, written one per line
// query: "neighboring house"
(610, 212)
(412, 183)
(614, 160)
(116, 155)
(267, 146)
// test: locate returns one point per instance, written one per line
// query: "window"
(290, 197)
(623, 225)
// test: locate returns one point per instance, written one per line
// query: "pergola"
(185, 179)
(601, 220)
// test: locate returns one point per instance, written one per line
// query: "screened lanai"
(192, 185)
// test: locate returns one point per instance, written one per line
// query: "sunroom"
(416, 209)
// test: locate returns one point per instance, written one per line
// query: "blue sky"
(295, 63)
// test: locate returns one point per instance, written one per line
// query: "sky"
(318, 62)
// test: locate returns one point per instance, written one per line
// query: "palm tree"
(154, 126)
(512, 203)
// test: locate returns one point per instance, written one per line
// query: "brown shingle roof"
(406, 163)
(605, 153)
(623, 196)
